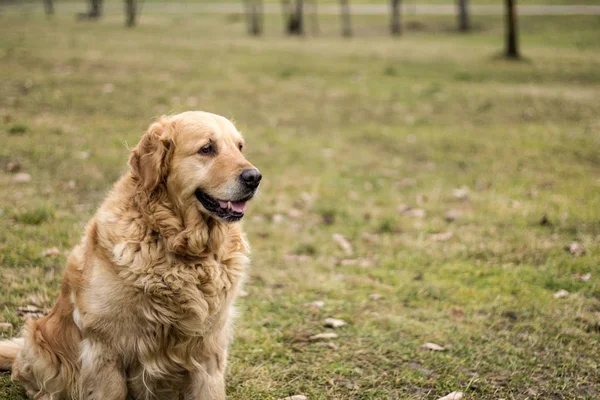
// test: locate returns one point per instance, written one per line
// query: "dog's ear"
(149, 160)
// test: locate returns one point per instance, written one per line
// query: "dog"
(146, 303)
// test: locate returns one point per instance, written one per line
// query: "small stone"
(277, 218)
(560, 294)
(315, 304)
(334, 323)
(433, 346)
(375, 297)
(323, 336)
(21, 177)
(83, 155)
(295, 397)
(452, 396)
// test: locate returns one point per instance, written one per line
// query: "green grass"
(344, 131)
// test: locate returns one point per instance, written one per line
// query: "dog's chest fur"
(167, 313)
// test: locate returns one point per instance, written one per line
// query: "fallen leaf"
(560, 294)
(452, 396)
(457, 312)
(402, 208)
(31, 311)
(343, 243)
(316, 304)
(442, 237)
(323, 336)
(21, 177)
(416, 212)
(432, 346)
(375, 297)
(452, 215)
(53, 251)
(361, 262)
(298, 257)
(583, 277)
(461, 193)
(295, 397)
(5, 325)
(294, 213)
(576, 249)
(334, 323)
(329, 345)
(13, 166)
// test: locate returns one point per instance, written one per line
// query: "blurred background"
(431, 179)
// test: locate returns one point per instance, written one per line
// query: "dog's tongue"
(237, 206)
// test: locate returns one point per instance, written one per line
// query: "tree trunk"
(395, 24)
(95, 8)
(49, 7)
(345, 13)
(130, 12)
(254, 17)
(294, 17)
(512, 35)
(463, 16)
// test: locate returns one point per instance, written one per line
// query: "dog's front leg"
(209, 384)
(102, 375)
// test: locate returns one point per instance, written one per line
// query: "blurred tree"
(395, 24)
(346, 23)
(254, 16)
(130, 12)
(95, 10)
(463, 16)
(512, 39)
(294, 16)
(49, 7)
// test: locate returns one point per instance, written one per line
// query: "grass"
(345, 132)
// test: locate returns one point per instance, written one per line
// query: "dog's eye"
(207, 150)
(241, 146)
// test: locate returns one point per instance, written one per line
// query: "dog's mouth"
(228, 210)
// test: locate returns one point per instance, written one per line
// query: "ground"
(375, 139)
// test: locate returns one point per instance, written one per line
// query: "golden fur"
(146, 302)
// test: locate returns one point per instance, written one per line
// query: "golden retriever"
(146, 301)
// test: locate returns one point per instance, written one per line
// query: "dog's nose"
(251, 177)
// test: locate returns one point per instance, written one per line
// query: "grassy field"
(349, 134)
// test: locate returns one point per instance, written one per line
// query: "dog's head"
(198, 158)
